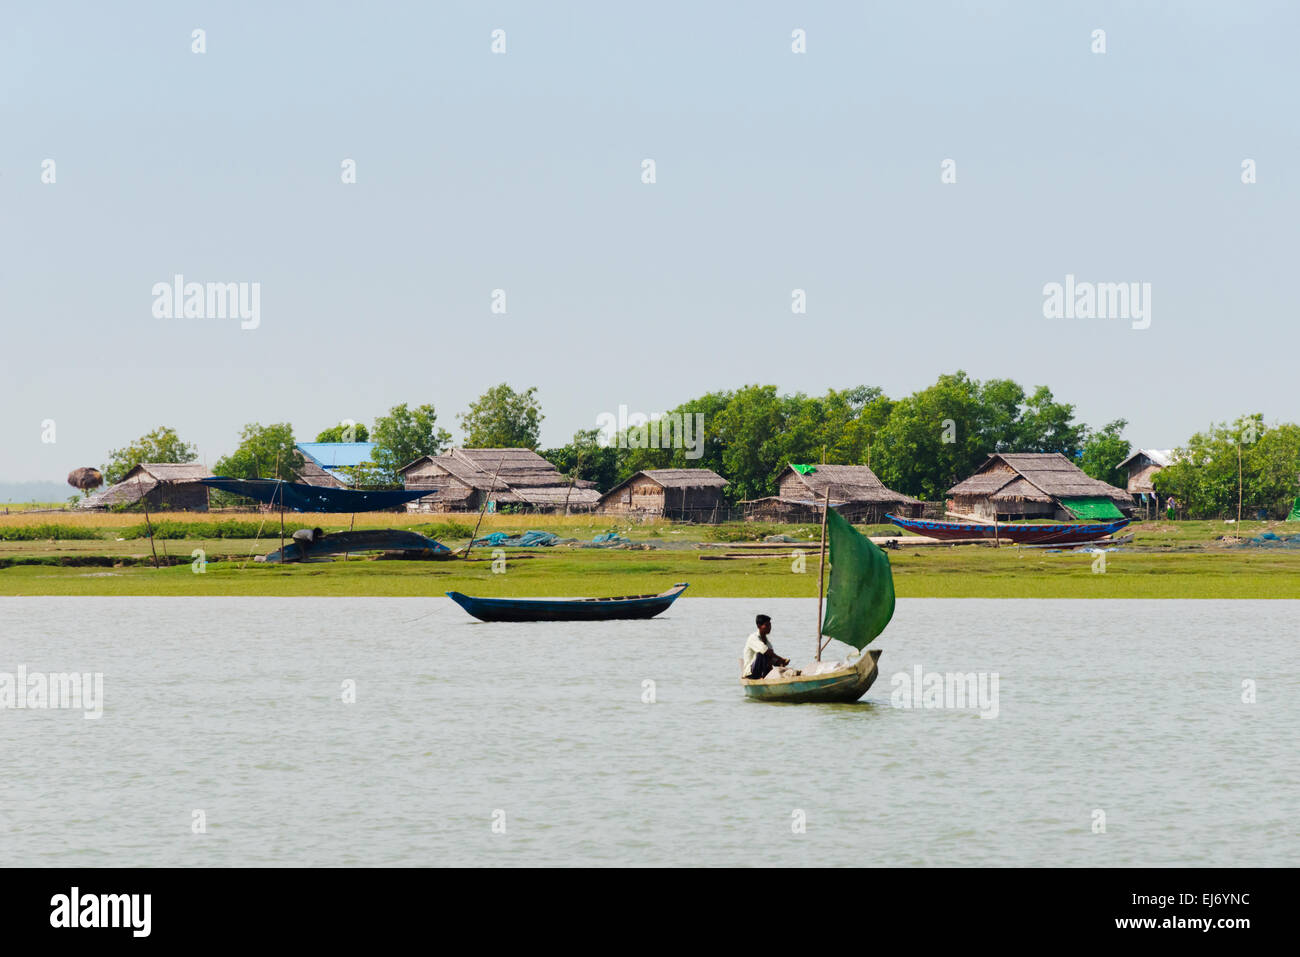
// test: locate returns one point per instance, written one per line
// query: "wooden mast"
(485, 505)
(821, 574)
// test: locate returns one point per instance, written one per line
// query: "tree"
(502, 418)
(1045, 425)
(933, 438)
(404, 435)
(1204, 475)
(160, 445)
(1103, 450)
(587, 458)
(345, 433)
(264, 452)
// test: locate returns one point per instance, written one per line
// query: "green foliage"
(739, 532)
(450, 530)
(1204, 478)
(230, 528)
(46, 532)
(160, 445)
(344, 433)
(502, 418)
(404, 435)
(588, 458)
(264, 452)
(1103, 450)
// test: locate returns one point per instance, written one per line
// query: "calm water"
(233, 706)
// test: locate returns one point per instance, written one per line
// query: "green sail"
(860, 598)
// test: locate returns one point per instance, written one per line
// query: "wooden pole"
(821, 575)
(144, 500)
(577, 466)
(484, 508)
(281, 490)
(1238, 487)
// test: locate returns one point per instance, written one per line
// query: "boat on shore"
(859, 604)
(1014, 533)
(626, 607)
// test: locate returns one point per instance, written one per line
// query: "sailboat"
(858, 605)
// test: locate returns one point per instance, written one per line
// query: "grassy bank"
(103, 555)
(961, 572)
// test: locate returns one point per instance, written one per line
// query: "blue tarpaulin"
(298, 497)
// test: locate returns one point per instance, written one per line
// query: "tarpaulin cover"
(1092, 507)
(1295, 512)
(299, 497)
(860, 597)
(803, 469)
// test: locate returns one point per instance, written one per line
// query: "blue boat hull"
(572, 609)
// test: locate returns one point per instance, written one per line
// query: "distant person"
(1171, 505)
(760, 657)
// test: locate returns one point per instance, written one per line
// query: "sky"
(522, 171)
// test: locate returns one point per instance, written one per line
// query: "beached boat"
(568, 609)
(1013, 533)
(859, 604)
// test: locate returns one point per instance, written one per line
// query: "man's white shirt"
(755, 645)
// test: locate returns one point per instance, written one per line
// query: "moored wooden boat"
(568, 609)
(843, 686)
(1013, 533)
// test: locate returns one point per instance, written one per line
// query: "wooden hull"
(835, 687)
(571, 609)
(1012, 534)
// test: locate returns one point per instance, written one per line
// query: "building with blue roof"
(324, 461)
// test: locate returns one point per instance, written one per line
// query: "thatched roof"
(847, 483)
(144, 478)
(675, 478)
(508, 476)
(1036, 477)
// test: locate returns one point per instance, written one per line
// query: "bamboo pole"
(144, 500)
(1238, 488)
(821, 574)
(577, 466)
(483, 510)
(281, 490)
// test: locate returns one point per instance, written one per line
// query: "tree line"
(921, 444)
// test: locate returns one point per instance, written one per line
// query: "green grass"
(1166, 560)
(961, 572)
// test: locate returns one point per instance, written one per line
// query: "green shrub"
(230, 528)
(40, 533)
(739, 532)
(449, 530)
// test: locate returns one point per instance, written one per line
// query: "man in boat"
(760, 658)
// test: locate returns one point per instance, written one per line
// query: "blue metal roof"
(336, 455)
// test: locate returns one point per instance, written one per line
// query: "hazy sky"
(775, 171)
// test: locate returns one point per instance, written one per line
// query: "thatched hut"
(1016, 485)
(465, 479)
(855, 492)
(160, 485)
(692, 495)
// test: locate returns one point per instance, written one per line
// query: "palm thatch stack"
(85, 479)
